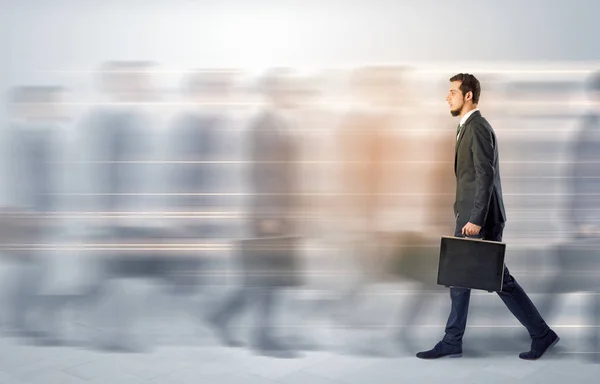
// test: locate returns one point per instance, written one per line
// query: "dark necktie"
(457, 131)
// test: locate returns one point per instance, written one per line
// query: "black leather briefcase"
(471, 263)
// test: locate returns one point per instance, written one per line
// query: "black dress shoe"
(120, 346)
(540, 346)
(223, 332)
(267, 346)
(442, 349)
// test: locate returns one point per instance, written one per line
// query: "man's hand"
(471, 229)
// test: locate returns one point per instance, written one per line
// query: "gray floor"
(184, 351)
(355, 347)
(214, 364)
(211, 364)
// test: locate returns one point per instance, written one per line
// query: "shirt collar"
(467, 115)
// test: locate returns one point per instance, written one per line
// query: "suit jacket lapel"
(461, 135)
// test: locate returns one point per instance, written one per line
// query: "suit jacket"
(35, 183)
(585, 172)
(35, 170)
(193, 139)
(272, 172)
(115, 141)
(476, 166)
(366, 146)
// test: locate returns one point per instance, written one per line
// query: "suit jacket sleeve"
(578, 181)
(585, 175)
(483, 157)
(265, 170)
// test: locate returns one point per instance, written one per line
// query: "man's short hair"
(469, 83)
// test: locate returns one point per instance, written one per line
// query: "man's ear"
(469, 96)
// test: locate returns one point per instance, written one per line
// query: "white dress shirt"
(464, 119)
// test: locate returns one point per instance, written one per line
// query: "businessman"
(479, 213)
(272, 152)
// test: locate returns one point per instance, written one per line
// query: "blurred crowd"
(235, 190)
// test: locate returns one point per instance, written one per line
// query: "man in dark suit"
(479, 212)
(272, 171)
(34, 143)
(577, 256)
(117, 142)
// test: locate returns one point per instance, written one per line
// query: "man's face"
(455, 98)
